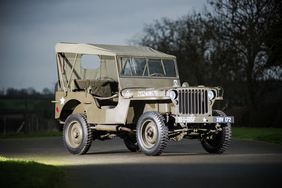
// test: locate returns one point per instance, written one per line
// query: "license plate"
(220, 119)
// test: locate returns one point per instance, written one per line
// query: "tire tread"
(88, 142)
(163, 132)
(226, 139)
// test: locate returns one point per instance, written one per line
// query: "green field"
(29, 174)
(20, 104)
(269, 135)
(42, 107)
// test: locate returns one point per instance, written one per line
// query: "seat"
(104, 91)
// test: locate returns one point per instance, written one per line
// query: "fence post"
(26, 123)
(28, 127)
(49, 127)
(4, 131)
(37, 123)
(31, 130)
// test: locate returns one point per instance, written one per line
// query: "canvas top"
(110, 50)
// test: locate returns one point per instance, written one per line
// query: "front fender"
(144, 93)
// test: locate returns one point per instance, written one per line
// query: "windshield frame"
(121, 70)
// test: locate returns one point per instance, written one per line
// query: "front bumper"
(203, 119)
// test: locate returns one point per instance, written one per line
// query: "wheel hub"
(150, 134)
(75, 134)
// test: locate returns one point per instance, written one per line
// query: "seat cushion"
(100, 88)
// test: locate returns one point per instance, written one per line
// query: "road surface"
(183, 164)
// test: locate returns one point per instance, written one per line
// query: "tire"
(131, 144)
(152, 134)
(77, 134)
(222, 140)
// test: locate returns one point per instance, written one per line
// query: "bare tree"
(185, 38)
(237, 46)
(46, 91)
(245, 27)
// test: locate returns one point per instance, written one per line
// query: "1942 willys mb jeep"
(134, 93)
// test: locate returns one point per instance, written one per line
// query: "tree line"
(236, 44)
(24, 93)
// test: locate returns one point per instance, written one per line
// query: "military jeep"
(133, 93)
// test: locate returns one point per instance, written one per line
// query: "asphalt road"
(183, 164)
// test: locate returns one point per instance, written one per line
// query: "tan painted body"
(133, 95)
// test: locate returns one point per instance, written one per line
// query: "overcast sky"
(31, 28)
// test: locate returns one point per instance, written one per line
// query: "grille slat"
(193, 101)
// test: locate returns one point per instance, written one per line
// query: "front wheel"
(77, 134)
(221, 141)
(152, 134)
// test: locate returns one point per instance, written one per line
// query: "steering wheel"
(157, 74)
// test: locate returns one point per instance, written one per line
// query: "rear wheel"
(152, 134)
(131, 144)
(221, 141)
(77, 134)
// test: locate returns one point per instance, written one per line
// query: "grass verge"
(269, 135)
(22, 173)
(40, 134)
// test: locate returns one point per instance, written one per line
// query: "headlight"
(172, 95)
(211, 95)
(185, 84)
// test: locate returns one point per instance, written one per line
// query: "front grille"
(193, 101)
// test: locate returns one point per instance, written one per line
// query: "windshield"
(129, 66)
